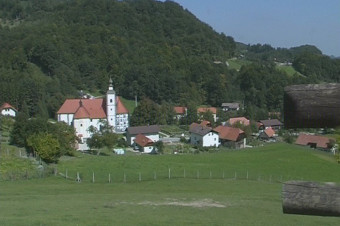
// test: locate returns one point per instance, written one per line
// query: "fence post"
(109, 178)
(66, 174)
(169, 173)
(140, 177)
(78, 178)
(184, 173)
(124, 178)
(92, 176)
(154, 175)
(223, 174)
(235, 177)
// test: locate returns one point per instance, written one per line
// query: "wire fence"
(169, 174)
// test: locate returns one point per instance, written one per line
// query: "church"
(83, 113)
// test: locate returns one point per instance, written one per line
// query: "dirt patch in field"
(201, 203)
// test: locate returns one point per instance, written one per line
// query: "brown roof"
(244, 121)
(199, 129)
(180, 110)
(91, 108)
(269, 132)
(229, 133)
(271, 122)
(143, 129)
(306, 139)
(143, 141)
(213, 110)
(121, 109)
(205, 123)
(7, 106)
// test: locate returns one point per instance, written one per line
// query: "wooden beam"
(312, 106)
(311, 198)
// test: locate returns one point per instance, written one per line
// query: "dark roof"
(199, 129)
(231, 105)
(143, 129)
(271, 122)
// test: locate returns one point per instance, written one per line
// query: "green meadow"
(239, 187)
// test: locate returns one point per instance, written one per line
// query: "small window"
(110, 100)
(81, 125)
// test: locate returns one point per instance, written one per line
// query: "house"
(180, 112)
(231, 137)
(242, 120)
(144, 144)
(151, 132)
(8, 110)
(213, 110)
(267, 134)
(203, 136)
(230, 106)
(314, 141)
(85, 113)
(275, 124)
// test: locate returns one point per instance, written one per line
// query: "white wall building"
(203, 136)
(84, 113)
(151, 132)
(8, 110)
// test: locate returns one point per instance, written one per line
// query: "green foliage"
(102, 138)
(159, 145)
(46, 146)
(146, 113)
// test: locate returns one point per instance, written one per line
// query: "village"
(88, 114)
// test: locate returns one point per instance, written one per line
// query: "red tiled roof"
(269, 131)
(143, 141)
(121, 109)
(91, 108)
(213, 110)
(7, 106)
(306, 139)
(180, 110)
(81, 113)
(229, 133)
(244, 121)
(205, 123)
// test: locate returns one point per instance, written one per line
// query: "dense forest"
(51, 49)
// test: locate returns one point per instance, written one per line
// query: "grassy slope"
(129, 104)
(56, 201)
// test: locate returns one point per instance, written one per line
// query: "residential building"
(230, 106)
(180, 112)
(85, 113)
(268, 134)
(242, 120)
(144, 144)
(203, 136)
(151, 132)
(8, 110)
(231, 137)
(314, 141)
(275, 124)
(212, 110)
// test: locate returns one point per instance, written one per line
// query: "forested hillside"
(50, 50)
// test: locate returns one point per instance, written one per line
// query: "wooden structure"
(311, 198)
(312, 106)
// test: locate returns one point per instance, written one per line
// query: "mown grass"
(164, 201)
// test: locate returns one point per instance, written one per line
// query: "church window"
(110, 100)
(81, 125)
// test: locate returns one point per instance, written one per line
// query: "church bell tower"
(111, 105)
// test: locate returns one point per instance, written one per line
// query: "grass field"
(207, 200)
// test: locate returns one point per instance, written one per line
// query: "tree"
(159, 145)
(146, 113)
(46, 146)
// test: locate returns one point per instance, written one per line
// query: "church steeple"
(111, 105)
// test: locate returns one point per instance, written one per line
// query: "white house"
(83, 113)
(203, 136)
(151, 132)
(8, 110)
(144, 143)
